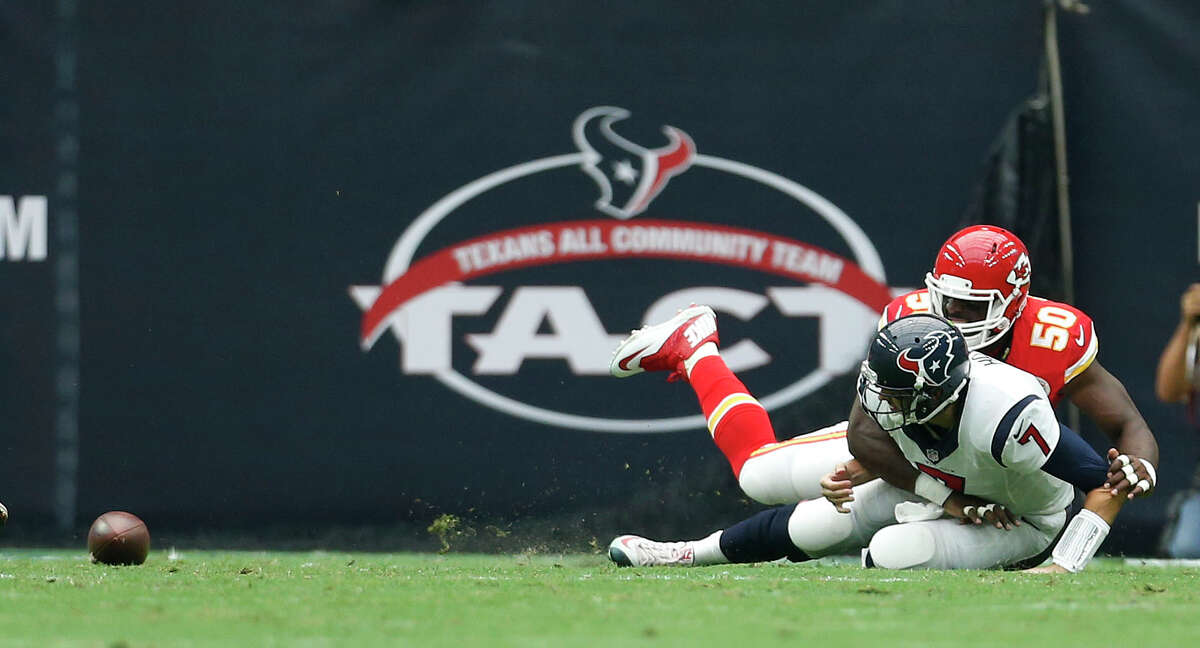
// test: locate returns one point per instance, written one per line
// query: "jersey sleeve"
(916, 301)
(1054, 341)
(1076, 462)
(1085, 339)
(1027, 435)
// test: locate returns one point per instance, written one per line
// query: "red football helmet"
(986, 270)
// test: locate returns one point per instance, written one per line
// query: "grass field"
(57, 598)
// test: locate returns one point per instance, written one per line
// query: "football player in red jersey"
(980, 281)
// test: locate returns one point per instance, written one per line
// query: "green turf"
(57, 598)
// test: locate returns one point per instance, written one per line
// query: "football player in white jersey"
(980, 429)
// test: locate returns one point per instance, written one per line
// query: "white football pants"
(790, 471)
(818, 529)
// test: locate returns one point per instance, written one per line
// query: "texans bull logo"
(630, 176)
(930, 361)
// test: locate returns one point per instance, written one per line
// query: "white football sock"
(707, 551)
(707, 349)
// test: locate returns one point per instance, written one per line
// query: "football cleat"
(636, 551)
(664, 347)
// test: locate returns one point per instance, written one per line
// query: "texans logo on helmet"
(931, 361)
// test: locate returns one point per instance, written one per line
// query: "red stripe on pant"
(743, 429)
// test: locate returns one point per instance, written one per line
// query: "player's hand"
(1052, 568)
(973, 510)
(1189, 304)
(838, 488)
(1129, 475)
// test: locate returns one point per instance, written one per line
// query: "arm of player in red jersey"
(1054, 337)
(878, 455)
(876, 451)
(1103, 399)
(1104, 505)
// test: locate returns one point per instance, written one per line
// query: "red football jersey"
(1051, 340)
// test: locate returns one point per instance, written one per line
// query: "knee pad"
(815, 525)
(902, 546)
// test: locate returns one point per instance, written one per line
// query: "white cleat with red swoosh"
(664, 347)
(636, 551)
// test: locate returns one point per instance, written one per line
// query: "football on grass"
(119, 538)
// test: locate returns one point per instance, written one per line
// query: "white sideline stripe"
(1163, 562)
(729, 402)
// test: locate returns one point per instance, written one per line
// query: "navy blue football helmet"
(915, 367)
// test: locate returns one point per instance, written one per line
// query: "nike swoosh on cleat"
(624, 363)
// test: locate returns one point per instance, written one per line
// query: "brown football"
(119, 538)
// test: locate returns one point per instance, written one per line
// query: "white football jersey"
(1007, 431)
